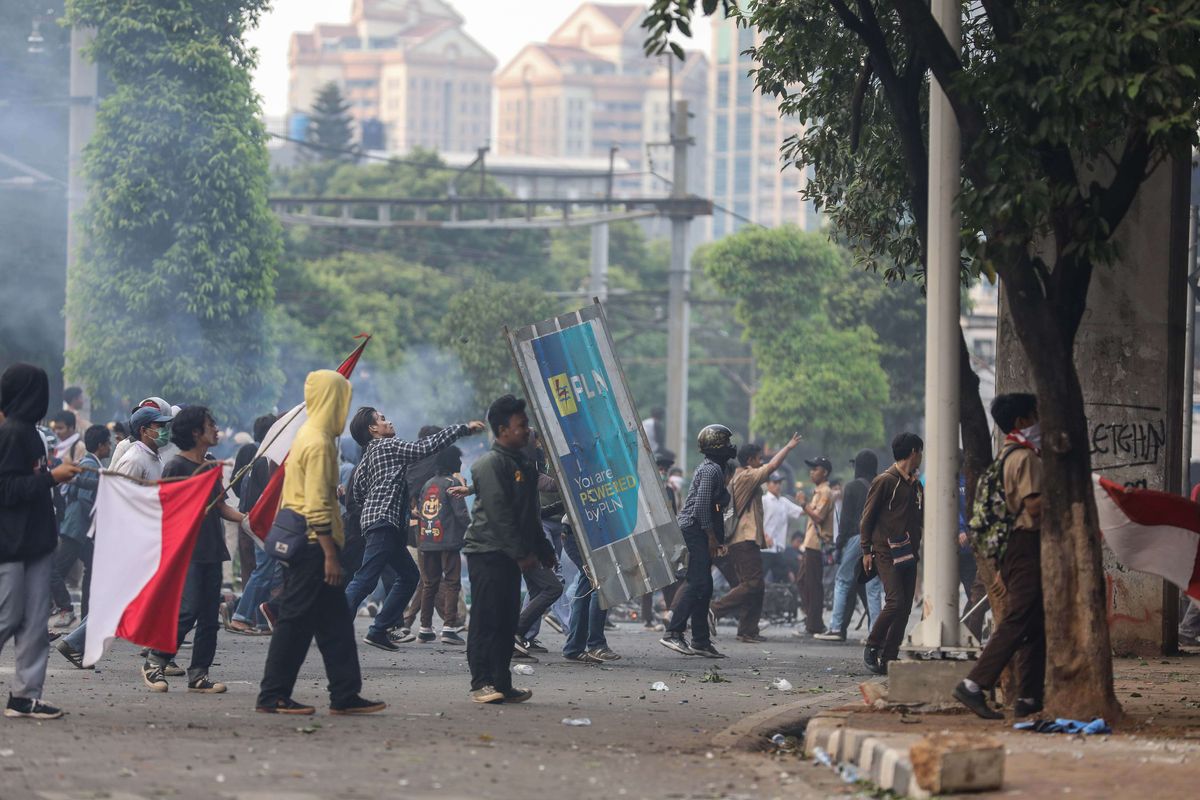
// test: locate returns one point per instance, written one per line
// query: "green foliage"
(174, 288)
(330, 125)
(823, 380)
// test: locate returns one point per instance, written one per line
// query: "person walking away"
(28, 535)
(444, 520)
(504, 539)
(893, 522)
(1022, 629)
(848, 551)
(704, 535)
(748, 537)
(194, 432)
(380, 488)
(817, 533)
(312, 602)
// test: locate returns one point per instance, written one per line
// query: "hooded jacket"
(28, 529)
(311, 479)
(854, 496)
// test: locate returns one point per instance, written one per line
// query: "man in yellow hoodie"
(312, 602)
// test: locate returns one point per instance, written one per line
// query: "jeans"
(257, 589)
(24, 609)
(78, 637)
(586, 631)
(691, 601)
(198, 608)
(308, 608)
(386, 546)
(743, 568)
(544, 588)
(1189, 625)
(495, 607)
(69, 550)
(569, 572)
(845, 589)
(441, 583)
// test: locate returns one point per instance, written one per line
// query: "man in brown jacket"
(743, 566)
(893, 521)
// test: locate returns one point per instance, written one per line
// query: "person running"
(28, 535)
(704, 534)
(444, 520)
(312, 602)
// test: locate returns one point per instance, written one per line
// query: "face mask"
(1034, 434)
(163, 438)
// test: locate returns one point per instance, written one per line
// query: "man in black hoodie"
(28, 534)
(848, 588)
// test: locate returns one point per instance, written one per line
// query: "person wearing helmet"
(704, 534)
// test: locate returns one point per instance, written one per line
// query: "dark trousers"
(385, 547)
(545, 587)
(495, 606)
(812, 590)
(745, 599)
(309, 607)
(441, 582)
(691, 601)
(899, 586)
(1022, 630)
(68, 551)
(198, 609)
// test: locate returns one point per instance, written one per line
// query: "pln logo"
(564, 398)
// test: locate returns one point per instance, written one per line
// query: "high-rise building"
(745, 171)
(592, 87)
(406, 67)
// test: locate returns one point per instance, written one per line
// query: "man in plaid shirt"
(379, 486)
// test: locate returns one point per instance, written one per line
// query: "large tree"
(1065, 109)
(174, 286)
(330, 126)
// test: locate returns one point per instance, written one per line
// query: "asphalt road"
(120, 741)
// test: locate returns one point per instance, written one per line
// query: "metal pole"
(1189, 350)
(678, 285)
(940, 627)
(82, 122)
(598, 286)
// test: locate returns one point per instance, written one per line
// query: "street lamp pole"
(82, 122)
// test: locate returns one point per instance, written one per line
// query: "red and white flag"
(1152, 532)
(275, 447)
(144, 536)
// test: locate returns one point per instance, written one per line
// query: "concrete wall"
(1130, 360)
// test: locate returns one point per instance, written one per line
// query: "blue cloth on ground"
(1063, 725)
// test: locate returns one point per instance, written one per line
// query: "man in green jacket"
(504, 540)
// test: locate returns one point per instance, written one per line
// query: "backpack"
(991, 522)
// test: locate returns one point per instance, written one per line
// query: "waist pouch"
(288, 535)
(902, 548)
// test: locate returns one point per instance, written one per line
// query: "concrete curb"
(753, 732)
(882, 759)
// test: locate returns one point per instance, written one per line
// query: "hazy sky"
(501, 26)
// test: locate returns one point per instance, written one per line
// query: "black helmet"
(716, 442)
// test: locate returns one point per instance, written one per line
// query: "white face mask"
(1034, 434)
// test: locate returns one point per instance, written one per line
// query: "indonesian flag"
(1152, 532)
(275, 447)
(144, 537)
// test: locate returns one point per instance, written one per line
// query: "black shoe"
(383, 642)
(71, 654)
(286, 706)
(521, 646)
(515, 695)
(830, 636)
(706, 650)
(203, 685)
(450, 637)
(673, 641)
(752, 638)
(976, 702)
(535, 646)
(586, 657)
(358, 705)
(173, 670)
(426, 637)
(871, 659)
(31, 708)
(1025, 708)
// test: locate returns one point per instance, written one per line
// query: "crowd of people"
(387, 528)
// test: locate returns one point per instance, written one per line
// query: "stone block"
(946, 763)
(818, 732)
(928, 682)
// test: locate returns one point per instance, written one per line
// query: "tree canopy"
(330, 126)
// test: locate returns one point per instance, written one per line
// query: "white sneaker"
(63, 619)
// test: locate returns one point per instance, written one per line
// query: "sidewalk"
(1154, 752)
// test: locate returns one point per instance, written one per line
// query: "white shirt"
(139, 461)
(777, 513)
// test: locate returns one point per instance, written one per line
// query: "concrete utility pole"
(598, 284)
(82, 122)
(678, 286)
(1189, 350)
(940, 629)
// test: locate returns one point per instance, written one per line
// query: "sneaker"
(752, 638)
(203, 685)
(286, 705)
(487, 694)
(53, 636)
(402, 635)
(372, 608)
(152, 676)
(65, 618)
(71, 654)
(707, 650)
(871, 659)
(173, 670)
(610, 625)
(976, 702)
(244, 628)
(586, 657)
(515, 695)
(459, 628)
(554, 622)
(1026, 708)
(604, 654)
(521, 646)
(450, 637)
(383, 642)
(30, 707)
(426, 637)
(677, 643)
(830, 636)
(535, 646)
(358, 705)
(524, 658)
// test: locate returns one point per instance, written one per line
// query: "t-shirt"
(210, 543)
(1022, 480)
(821, 505)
